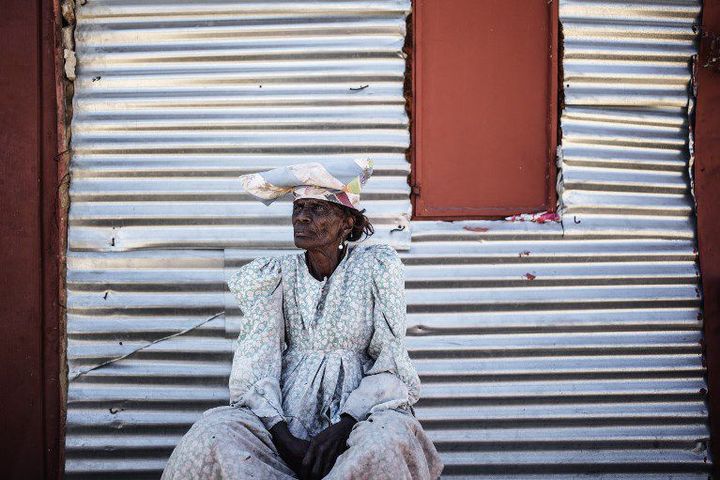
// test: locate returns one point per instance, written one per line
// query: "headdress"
(338, 181)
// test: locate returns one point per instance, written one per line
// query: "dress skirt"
(232, 443)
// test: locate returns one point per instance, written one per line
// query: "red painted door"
(485, 105)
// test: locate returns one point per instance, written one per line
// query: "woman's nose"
(302, 216)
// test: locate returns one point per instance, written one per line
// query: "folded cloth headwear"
(338, 181)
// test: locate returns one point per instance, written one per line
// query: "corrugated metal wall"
(546, 350)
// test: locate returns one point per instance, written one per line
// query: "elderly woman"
(321, 383)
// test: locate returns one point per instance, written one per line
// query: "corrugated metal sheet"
(624, 125)
(174, 100)
(546, 350)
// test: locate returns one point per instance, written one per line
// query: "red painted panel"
(29, 241)
(20, 233)
(485, 82)
(707, 193)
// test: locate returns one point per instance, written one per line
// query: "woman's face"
(319, 224)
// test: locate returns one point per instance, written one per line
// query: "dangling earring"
(340, 247)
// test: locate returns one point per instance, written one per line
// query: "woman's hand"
(291, 449)
(325, 448)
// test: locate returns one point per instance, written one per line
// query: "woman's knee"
(387, 429)
(217, 424)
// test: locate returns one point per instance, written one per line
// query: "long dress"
(308, 351)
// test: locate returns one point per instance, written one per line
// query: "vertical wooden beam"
(707, 193)
(54, 167)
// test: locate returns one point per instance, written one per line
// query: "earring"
(340, 247)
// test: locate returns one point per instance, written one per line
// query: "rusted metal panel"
(485, 108)
(707, 195)
(30, 242)
(22, 298)
(547, 350)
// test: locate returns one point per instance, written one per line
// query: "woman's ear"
(350, 224)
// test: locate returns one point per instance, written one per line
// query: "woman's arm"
(257, 364)
(255, 374)
(392, 381)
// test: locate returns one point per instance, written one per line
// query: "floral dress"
(310, 350)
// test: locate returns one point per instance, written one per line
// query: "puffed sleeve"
(255, 374)
(392, 381)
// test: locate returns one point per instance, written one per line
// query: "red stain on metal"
(547, 217)
(484, 124)
(707, 194)
(530, 276)
(476, 229)
(541, 217)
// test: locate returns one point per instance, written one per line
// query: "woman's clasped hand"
(313, 459)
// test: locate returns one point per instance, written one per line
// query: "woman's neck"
(323, 262)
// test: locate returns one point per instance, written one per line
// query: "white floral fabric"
(231, 443)
(310, 350)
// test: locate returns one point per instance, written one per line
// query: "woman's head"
(324, 224)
